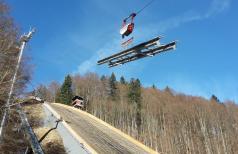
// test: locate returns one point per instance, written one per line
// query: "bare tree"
(9, 50)
(53, 87)
(170, 122)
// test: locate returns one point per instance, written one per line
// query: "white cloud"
(216, 7)
(90, 64)
(86, 66)
(112, 47)
(179, 20)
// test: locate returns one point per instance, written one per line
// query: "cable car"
(128, 23)
(127, 27)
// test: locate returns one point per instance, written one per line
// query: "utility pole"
(23, 40)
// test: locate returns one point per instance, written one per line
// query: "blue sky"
(72, 35)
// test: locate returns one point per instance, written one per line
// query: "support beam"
(149, 48)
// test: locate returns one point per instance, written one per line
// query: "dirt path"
(98, 136)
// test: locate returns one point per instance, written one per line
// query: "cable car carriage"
(127, 27)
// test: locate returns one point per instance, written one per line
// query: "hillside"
(167, 121)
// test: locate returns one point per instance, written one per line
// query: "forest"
(165, 120)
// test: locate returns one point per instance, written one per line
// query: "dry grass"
(35, 115)
(53, 142)
(14, 140)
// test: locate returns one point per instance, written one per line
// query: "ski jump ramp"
(94, 134)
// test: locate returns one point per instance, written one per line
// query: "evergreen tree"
(134, 91)
(215, 98)
(66, 92)
(168, 90)
(103, 78)
(136, 98)
(154, 87)
(122, 80)
(112, 86)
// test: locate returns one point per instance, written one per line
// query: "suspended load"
(126, 43)
(145, 49)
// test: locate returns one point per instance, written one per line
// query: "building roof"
(77, 97)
